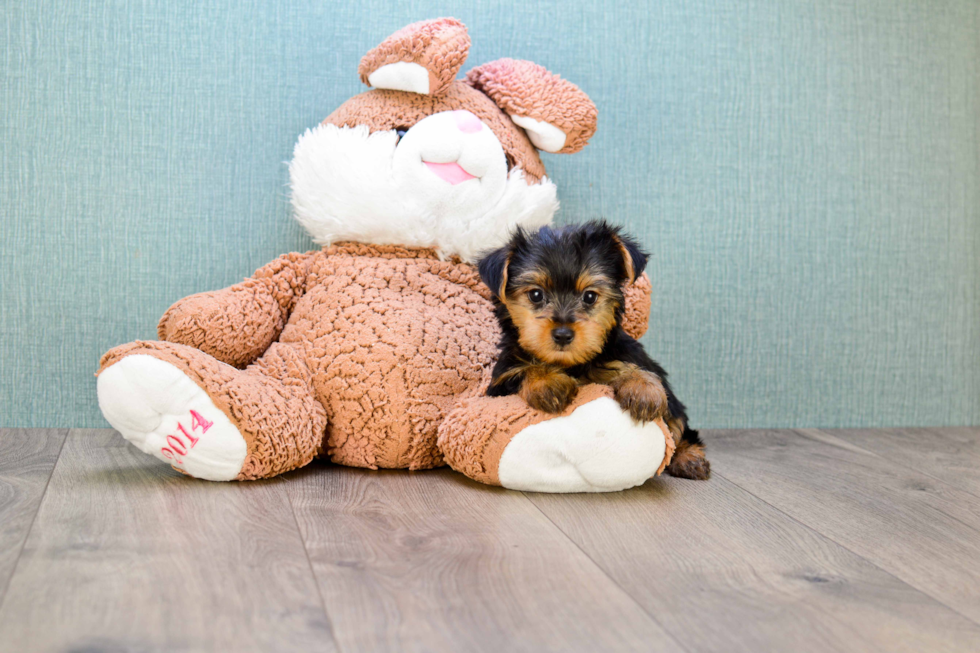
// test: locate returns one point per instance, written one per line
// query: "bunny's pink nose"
(467, 122)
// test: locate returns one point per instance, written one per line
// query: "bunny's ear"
(557, 116)
(421, 58)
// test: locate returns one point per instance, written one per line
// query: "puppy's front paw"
(642, 395)
(550, 393)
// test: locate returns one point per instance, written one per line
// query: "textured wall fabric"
(805, 174)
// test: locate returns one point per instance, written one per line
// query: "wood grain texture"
(431, 561)
(26, 460)
(922, 531)
(723, 571)
(126, 554)
(950, 454)
(803, 541)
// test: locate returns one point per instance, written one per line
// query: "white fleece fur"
(349, 184)
(401, 76)
(148, 401)
(598, 448)
(544, 135)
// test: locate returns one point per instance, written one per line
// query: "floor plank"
(923, 531)
(26, 460)
(125, 554)
(950, 454)
(430, 561)
(724, 571)
(808, 540)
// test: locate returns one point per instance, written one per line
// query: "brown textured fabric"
(636, 314)
(475, 435)
(523, 88)
(271, 403)
(395, 336)
(237, 324)
(670, 447)
(384, 110)
(440, 46)
(370, 349)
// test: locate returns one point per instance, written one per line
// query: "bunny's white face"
(443, 183)
(422, 160)
(453, 162)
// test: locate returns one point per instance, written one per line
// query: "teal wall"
(806, 174)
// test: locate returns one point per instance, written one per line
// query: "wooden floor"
(802, 541)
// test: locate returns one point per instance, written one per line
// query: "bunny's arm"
(237, 324)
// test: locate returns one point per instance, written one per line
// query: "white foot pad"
(165, 414)
(598, 448)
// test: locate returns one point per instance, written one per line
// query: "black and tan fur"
(558, 295)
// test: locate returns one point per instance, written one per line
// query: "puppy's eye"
(401, 131)
(590, 296)
(536, 296)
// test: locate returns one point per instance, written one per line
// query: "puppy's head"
(562, 287)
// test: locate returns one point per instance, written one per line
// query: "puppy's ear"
(493, 270)
(634, 258)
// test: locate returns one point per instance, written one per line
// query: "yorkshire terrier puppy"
(558, 295)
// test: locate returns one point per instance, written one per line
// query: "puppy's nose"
(562, 335)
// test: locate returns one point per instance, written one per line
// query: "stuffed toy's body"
(376, 351)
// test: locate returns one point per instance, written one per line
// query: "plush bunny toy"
(376, 351)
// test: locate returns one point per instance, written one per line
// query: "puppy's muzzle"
(562, 336)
